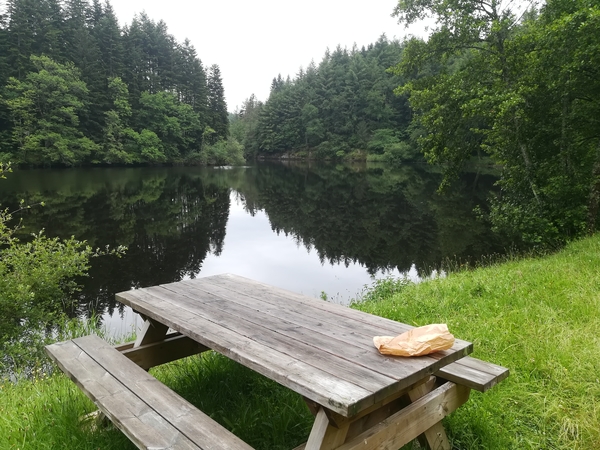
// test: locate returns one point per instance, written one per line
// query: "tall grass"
(44, 414)
(261, 412)
(540, 317)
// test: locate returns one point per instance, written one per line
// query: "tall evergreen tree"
(4, 74)
(119, 140)
(107, 33)
(347, 102)
(85, 49)
(34, 27)
(82, 49)
(218, 118)
(191, 79)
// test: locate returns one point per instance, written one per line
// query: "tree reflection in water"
(172, 218)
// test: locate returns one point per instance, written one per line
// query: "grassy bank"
(539, 317)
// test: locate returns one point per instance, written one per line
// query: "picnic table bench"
(322, 351)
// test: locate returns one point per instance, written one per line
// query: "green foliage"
(385, 145)
(76, 88)
(522, 87)
(218, 117)
(44, 109)
(118, 136)
(223, 152)
(37, 282)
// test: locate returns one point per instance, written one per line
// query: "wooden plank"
(340, 396)
(288, 339)
(256, 289)
(317, 433)
(407, 424)
(474, 373)
(142, 425)
(171, 349)
(407, 371)
(340, 421)
(152, 331)
(291, 339)
(183, 416)
(337, 321)
(336, 340)
(435, 437)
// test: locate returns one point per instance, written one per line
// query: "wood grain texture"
(474, 373)
(321, 350)
(170, 349)
(317, 433)
(435, 437)
(315, 384)
(410, 422)
(148, 412)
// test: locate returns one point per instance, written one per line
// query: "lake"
(317, 229)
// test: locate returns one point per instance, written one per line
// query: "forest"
(77, 88)
(513, 83)
(344, 107)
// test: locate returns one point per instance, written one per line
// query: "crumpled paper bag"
(416, 342)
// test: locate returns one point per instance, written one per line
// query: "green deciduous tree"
(37, 283)
(119, 139)
(176, 124)
(45, 110)
(85, 34)
(521, 86)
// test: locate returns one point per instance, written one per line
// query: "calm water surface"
(311, 229)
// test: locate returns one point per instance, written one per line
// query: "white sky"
(253, 41)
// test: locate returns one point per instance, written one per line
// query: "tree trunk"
(594, 198)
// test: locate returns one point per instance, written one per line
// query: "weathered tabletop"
(320, 350)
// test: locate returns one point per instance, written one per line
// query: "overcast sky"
(253, 41)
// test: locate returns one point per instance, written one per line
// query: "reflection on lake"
(300, 227)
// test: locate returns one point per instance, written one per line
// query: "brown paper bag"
(416, 342)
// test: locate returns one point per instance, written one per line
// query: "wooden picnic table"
(323, 351)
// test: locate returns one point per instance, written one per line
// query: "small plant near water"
(37, 283)
(381, 289)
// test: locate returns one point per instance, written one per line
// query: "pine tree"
(34, 27)
(107, 34)
(82, 49)
(191, 79)
(218, 117)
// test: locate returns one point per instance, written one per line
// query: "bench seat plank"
(474, 373)
(148, 412)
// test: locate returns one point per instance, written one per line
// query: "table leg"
(323, 435)
(152, 331)
(435, 437)
(412, 421)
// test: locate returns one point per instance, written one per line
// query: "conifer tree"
(217, 107)
(34, 27)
